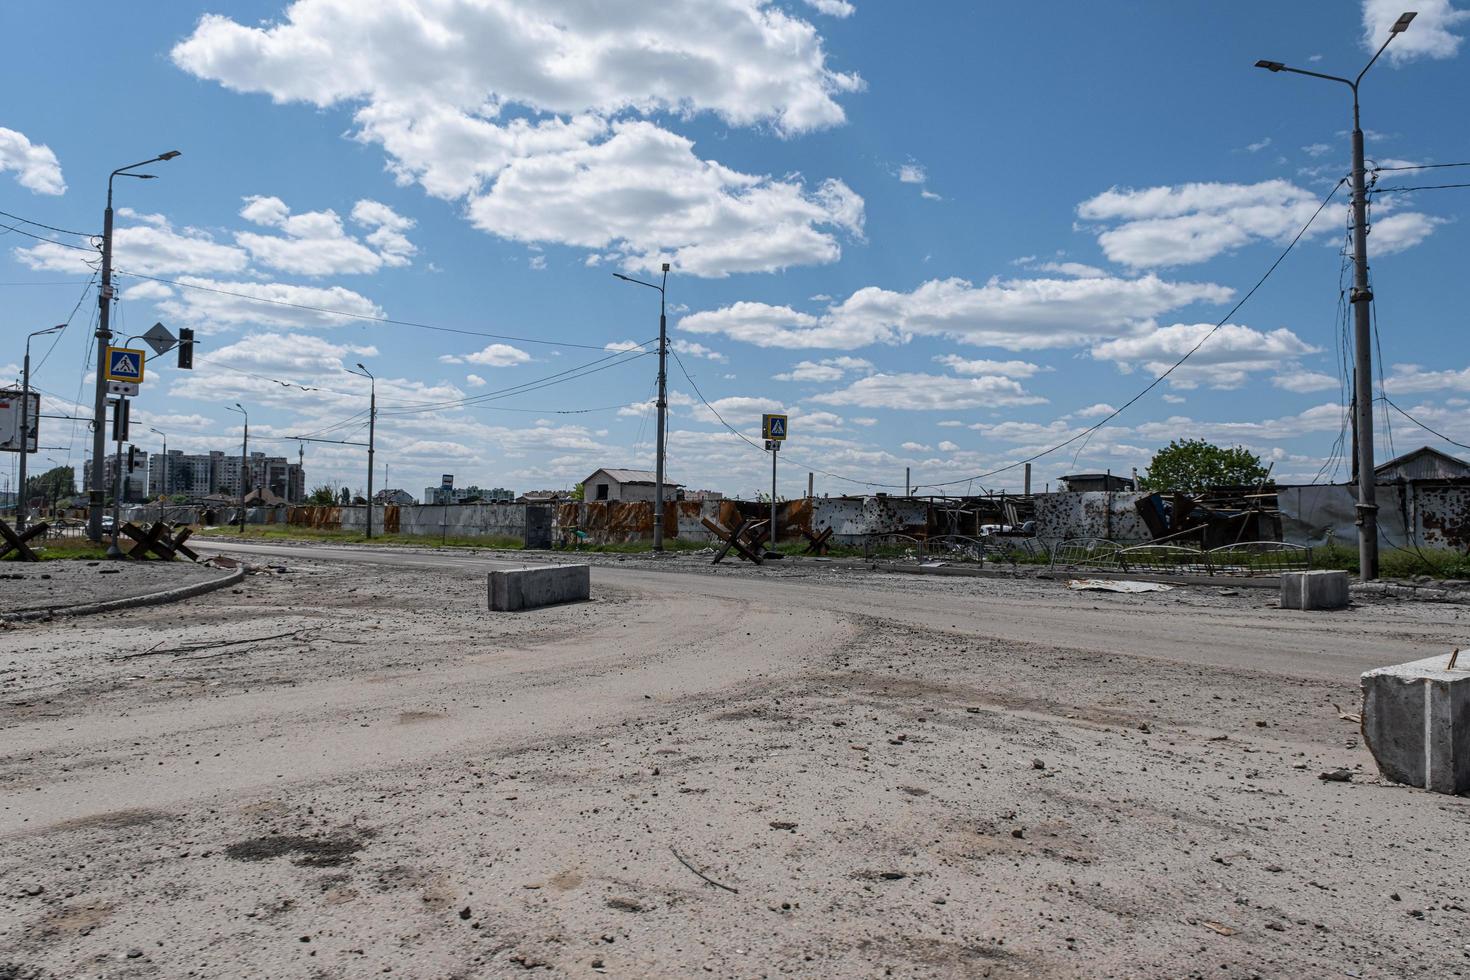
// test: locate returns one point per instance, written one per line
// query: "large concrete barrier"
(1416, 721)
(1314, 590)
(531, 588)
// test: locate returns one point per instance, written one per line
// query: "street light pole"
(372, 438)
(104, 335)
(21, 508)
(164, 495)
(663, 403)
(244, 460)
(1361, 298)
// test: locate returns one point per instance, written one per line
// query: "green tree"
(322, 496)
(1197, 465)
(579, 493)
(57, 483)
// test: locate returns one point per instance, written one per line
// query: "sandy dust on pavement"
(354, 770)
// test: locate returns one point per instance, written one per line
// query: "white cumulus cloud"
(1191, 223)
(1431, 35)
(1225, 360)
(442, 85)
(1016, 314)
(34, 164)
(929, 392)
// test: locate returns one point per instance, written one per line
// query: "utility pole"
(1361, 299)
(163, 497)
(907, 487)
(104, 335)
(244, 461)
(21, 503)
(372, 436)
(663, 403)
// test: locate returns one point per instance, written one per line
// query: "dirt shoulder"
(347, 770)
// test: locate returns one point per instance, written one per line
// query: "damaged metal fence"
(1248, 558)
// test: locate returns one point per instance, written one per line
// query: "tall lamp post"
(1361, 298)
(164, 493)
(21, 507)
(244, 460)
(104, 335)
(372, 434)
(663, 403)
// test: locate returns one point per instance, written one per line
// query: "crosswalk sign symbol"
(773, 427)
(124, 364)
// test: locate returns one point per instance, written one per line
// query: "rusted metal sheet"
(1443, 514)
(1112, 516)
(327, 518)
(391, 519)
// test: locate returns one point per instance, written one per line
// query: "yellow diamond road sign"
(124, 364)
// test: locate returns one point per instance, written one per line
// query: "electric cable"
(1175, 366)
(391, 321)
(38, 224)
(1421, 425)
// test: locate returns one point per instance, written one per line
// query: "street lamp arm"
(1373, 59)
(638, 282)
(1275, 66)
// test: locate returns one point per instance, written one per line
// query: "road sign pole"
(118, 426)
(775, 451)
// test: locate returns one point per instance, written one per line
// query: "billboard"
(10, 420)
(447, 480)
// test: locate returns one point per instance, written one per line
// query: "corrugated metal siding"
(1425, 467)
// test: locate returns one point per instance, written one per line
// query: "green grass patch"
(1397, 562)
(63, 549)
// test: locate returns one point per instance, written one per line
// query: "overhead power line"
(743, 438)
(1434, 432)
(38, 224)
(1418, 166)
(347, 314)
(1173, 367)
(1417, 187)
(42, 238)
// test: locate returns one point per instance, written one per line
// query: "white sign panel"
(10, 421)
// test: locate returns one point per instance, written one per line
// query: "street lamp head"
(360, 367)
(1402, 24)
(619, 275)
(169, 155)
(1270, 65)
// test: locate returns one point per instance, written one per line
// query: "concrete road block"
(531, 588)
(1314, 590)
(1416, 721)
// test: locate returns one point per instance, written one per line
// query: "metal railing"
(1249, 558)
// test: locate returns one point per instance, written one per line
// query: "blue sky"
(943, 236)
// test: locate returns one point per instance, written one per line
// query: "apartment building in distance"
(201, 474)
(135, 481)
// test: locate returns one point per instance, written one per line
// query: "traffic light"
(120, 419)
(132, 458)
(186, 348)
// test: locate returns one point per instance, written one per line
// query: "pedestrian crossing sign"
(124, 364)
(773, 427)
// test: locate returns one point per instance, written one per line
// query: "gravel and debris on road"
(352, 768)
